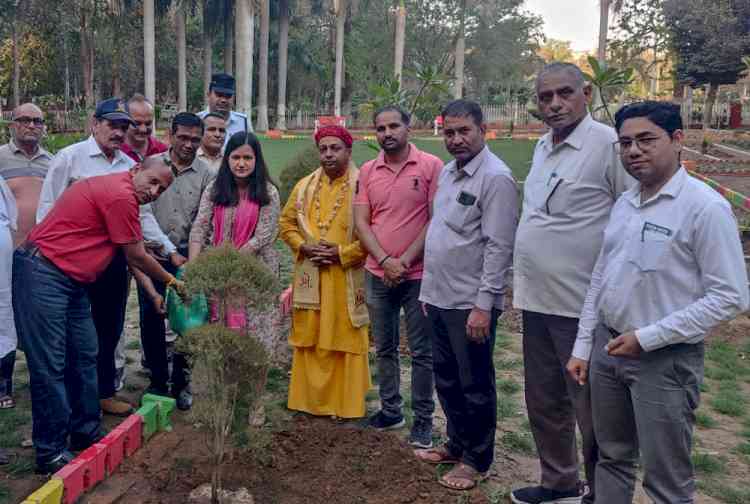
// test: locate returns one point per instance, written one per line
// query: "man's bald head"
(151, 178)
(27, 109)
(27, 127)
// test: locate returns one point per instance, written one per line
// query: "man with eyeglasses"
(24, 163)
(23, 166)
(211, 150)
(140, 142)
(100, 154)
(575, 179)
(671, 268)
(221, 100)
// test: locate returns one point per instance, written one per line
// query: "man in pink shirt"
(392, 208)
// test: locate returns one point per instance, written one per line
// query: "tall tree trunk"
(243, 31)
(339, 77)
(208, 51)
(179, 20)
(116, 63)
(708, 109)
(398, 53)
(265, 28)
(229, 37)
(458, 85)
(601, 52)
(16, 65)
(66, 95)
(283, 54)
(149, 50)
(87, 64)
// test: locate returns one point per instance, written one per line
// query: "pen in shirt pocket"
(551, 176)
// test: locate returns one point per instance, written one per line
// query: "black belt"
(33, 250)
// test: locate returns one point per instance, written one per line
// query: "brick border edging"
(101, 460)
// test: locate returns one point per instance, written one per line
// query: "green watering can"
(183, 317)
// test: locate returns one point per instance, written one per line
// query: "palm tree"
(243, 31)
(265, 22)
(398, 57)
(458, 85)
(339, 9)
(149, 50)
(179, 21)
(283, 62)
(229, 36)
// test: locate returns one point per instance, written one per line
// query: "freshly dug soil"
(314, 460)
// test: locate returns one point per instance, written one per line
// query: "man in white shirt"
(211, 150)
(574, 181)
(221, 100)
(100, 154)
(670, 269)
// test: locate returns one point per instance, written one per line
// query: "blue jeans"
(384, 304)
(53, 320)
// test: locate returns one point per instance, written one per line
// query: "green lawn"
(516, 153)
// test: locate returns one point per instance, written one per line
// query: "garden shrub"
(229, 365)
(302, 165)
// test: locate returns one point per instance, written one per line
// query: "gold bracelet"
(171, 281)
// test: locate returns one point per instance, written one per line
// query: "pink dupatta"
(243, 224)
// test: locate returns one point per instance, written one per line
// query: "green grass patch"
(727, 358)
(742, 448)
(508, 364)
(11, 421)
(133, 345)
(719, 373)
(20, 466)
(508, 386)
(503, 340)
(277, 380)
(4, 493)
(729, 401)
(704, 420)
(708, 464)
(725, 493)
(520, 442)
(507, 407)
(704, 387)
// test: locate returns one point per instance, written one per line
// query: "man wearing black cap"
(100, 154)
(221, 100)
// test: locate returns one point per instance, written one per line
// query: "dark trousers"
(384, 304)
(555, 402)
(465, 384)
(154, 343)
(109, 297)
(645, 405)
(53, 320)
(7, 364)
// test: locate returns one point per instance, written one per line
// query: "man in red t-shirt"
(51, 271)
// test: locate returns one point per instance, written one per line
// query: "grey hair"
(561, 66)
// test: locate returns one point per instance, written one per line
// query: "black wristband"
(382, 261)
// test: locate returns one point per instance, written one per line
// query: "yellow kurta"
(330, 370)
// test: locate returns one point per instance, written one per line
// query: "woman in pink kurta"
(241, 206)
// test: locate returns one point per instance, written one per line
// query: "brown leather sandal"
(435, 456)
(462, 477)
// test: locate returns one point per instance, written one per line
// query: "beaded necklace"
(325, 226)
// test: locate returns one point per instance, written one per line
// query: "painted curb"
(101, 460)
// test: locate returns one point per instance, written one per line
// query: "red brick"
(95, 456)
(76, 478)
(114, 450)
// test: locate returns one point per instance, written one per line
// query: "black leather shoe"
(79, 443)
(184, 399)
(55, 464)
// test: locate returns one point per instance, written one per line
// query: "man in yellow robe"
(330, 370)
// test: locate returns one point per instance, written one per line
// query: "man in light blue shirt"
(220, 101)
